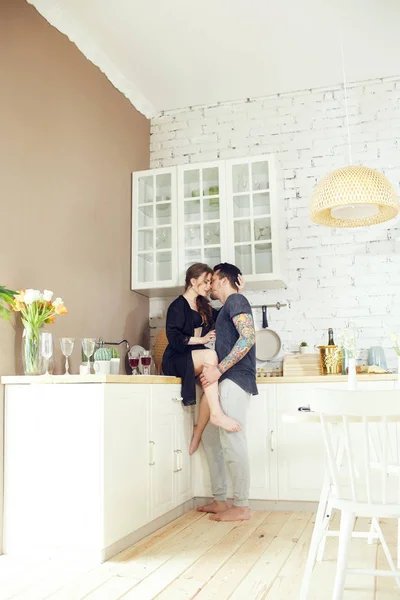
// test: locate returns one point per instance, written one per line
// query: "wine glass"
(67, 346)
(145, 361)
(133, 358)
(88, 349)
(46, 348)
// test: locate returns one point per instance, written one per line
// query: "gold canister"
(331, 360)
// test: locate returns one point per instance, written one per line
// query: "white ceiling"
(166, 54)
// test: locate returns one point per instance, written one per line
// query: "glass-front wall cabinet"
(154, 248)
(250, 205)
(201, 209)
(226, 210)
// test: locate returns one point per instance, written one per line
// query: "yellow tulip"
(60, 310)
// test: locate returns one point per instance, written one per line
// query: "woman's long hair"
(203, 305)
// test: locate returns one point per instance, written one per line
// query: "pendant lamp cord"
(345, 102)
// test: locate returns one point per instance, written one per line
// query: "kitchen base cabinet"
(87, 465)
(262, 444)
(300, 449)
(91, 467)
(126, 469)
(183, 425)
(170, 434)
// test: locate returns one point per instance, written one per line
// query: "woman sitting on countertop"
(190, 325)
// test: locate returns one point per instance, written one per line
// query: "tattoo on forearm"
(247, 337)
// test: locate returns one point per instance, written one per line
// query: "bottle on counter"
(330, 337)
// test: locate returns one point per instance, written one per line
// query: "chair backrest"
(361, 431)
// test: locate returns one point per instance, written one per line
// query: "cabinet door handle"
(178, 464)
(176, 470)
(176, 399)
(180, 456)
(272, 440)
(152, 461)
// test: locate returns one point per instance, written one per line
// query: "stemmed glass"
(133, 361)
(145, 361)
(67, 346)
(88, 345)
(46, 348)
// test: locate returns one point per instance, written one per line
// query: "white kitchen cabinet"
(255, 234)
(126, 480)
(154, 229)
(202, 222)
(301, 456)
(262, 444)
(81, 474)
(183, 424)
(169, 439)
(300, 460)
(207, 212)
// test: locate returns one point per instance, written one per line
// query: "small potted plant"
(102, 361)
(303, 348)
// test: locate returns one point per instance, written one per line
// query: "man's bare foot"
(225, 422)
(194, 444)
(216, 506)
(235, 513)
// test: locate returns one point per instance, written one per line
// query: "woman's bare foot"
(216, 506)
(221, 420)
(235, 513)
(194, 444)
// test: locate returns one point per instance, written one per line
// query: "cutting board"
(297, 365)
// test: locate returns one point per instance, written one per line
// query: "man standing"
(236, 372)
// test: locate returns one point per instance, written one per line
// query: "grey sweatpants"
(222, 447)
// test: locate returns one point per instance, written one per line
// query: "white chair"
(361, 480)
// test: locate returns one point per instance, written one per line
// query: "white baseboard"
(141, 533)
(278, 505)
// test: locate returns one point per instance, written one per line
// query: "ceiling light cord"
(345, 102)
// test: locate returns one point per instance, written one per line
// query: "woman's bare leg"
(210, 410)
(202, 420)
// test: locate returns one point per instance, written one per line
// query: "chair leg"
(325, 527)
(371, 539)
(318, 532)
(385, 548)
(346, 529)
(398, 543)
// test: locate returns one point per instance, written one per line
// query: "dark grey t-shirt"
(243, 373)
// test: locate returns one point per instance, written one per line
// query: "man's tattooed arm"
(247, 338)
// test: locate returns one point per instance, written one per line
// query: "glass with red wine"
(145, 361)
(133, 359)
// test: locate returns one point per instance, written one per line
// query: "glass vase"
(352, 374)
(31, 351)
(398, 372)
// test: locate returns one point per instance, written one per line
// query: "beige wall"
(68, 144)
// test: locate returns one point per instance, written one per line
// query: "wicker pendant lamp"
(353, 196)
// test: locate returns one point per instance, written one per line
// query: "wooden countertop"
(162, 379)
(44, 379)
(324, 378)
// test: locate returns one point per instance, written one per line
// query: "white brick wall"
(334, 275)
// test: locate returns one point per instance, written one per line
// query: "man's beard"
(213, 296)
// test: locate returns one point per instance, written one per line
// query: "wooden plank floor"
(194, 557)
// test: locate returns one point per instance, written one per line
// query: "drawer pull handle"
(176, 399)
(152, 461)
(272, 440)
(178, 454)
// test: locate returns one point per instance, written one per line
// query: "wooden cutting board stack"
(301, 365)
